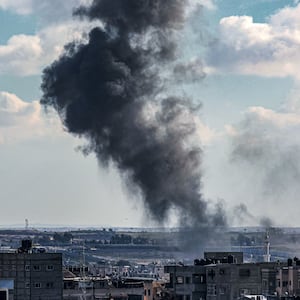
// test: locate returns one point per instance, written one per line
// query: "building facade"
(187, 282)
(31, 276)
(105, 289)
(221, 278)
(288, 279)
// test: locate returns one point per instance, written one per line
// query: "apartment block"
(25, 275)
(224, 276)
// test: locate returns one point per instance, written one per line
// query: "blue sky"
(249, 121)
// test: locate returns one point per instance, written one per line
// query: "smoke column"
(110, 91)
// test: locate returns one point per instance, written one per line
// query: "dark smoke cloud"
(266, 222)
(136, 15)
(109, 91)
(242, 214)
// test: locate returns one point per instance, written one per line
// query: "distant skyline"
(246, 60)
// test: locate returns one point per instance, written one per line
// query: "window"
(149, 292)
(187, 297)
(27, 268)
(50, 268)
(199, 278)
(211, 290)
(179, 279)
(37, 285)
(49, 285)
(196, 278)
(265, 283)
(36, 268)
(187, 280)
(244, 291)
(27, 285)
(3, 294)
(211, 273)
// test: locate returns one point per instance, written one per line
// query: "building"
(187, 282)
(107, 288)
(288, 279)
(232, 281)
(232, 257)
(31, 274)
(224, 276)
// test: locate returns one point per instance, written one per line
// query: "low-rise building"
(288, 279)
(187, 282)
(224, 276)
(232, 281)
(107, 288)
(31, 274)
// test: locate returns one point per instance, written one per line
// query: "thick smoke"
(109, 91)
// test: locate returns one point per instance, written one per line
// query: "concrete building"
(187, 282)
(219, 277)
(288, 279)
(232, 281)
(26, 275)
(106, 288)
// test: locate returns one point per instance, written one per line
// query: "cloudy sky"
(243, 60)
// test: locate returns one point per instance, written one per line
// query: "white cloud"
(21, 120)
(22, 7)
(269, 49)
(25, 55)
(20, 55)
(47, 11)
(28, 54)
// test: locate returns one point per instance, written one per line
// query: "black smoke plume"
(109, 91)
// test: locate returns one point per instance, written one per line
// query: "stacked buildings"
(224, 276)
(30, 273)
